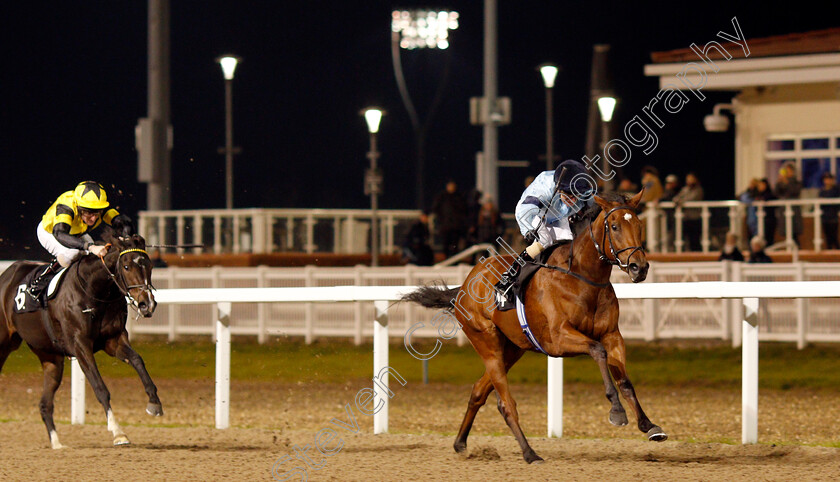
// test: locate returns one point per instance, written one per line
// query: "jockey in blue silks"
(543, 213)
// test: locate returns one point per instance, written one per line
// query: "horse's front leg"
(616, 358)
(121, 349)
(84, 354)
(572, 342)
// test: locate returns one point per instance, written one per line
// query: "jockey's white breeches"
(62, 253)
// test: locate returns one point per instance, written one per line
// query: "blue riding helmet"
(573, 168)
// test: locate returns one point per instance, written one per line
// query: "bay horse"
(571, 308)
(88, 314)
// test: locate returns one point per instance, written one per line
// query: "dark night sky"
(73, 85)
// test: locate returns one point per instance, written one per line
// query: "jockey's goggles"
(90, 211)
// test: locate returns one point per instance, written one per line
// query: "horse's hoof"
(58, 446)
(619, 419)
(154, 409)
(121, 440)
(533, 458)
(459, 447)
(656, 434)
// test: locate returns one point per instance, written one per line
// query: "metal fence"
(798, 320)
(348, 230)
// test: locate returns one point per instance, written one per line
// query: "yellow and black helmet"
(90, 195)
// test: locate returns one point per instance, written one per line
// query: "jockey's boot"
(38, 284)
(505, 285)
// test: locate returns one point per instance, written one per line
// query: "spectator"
(763, 193)
(451, 211)
(489, 224)
(651, 184)
(416, 249)
(473, 206)
(747, 197)
(757, 254)
(830, 190)
(672, 187)
(789, 187)
(626, 186)
(692, 225)
(730, 249)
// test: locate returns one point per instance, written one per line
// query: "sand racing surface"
(269, 419)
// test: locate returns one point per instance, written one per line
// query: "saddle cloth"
(25, 303)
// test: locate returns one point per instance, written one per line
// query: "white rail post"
(555, 397)
(380, 361)
(223, 366)
(77, 393)
(749, 373)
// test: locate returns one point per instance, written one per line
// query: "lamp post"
(549, 73)
(373, 179)
(606, 106)
(228, 67)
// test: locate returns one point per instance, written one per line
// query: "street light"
(549, 73)
(606, 106)
(228, 63)
(373, 179)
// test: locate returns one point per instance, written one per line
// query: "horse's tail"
(432, 296)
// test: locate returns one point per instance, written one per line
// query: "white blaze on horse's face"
(628, 216)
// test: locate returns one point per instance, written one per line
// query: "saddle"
(525, 274)
(24, 303)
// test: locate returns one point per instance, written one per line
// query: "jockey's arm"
(61, 232)
(120, 222)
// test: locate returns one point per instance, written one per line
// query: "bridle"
(615, 261)
(125, 288)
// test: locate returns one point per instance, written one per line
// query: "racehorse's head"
(621, 242)
(132, 269)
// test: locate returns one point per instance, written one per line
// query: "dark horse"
(571, 309)
(88, 314)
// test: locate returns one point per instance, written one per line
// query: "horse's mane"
(588, 214)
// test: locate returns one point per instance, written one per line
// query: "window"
(812, 154)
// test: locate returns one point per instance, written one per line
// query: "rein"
(125, 291)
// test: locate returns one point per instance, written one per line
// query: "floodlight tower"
(419, 29)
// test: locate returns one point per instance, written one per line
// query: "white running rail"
(750, 292)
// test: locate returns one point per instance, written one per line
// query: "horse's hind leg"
(616, 357)
(121, 349)
(8, 344)
(53, 367)
(481, 390)
(85, 357)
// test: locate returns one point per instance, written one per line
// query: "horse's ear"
(635, 200)
(605, 205)
(138, 241)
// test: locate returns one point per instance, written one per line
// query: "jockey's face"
(89, 217)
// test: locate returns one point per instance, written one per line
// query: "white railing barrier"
(749, 292)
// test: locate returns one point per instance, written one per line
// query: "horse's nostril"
(634, 267)
(142, 305)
